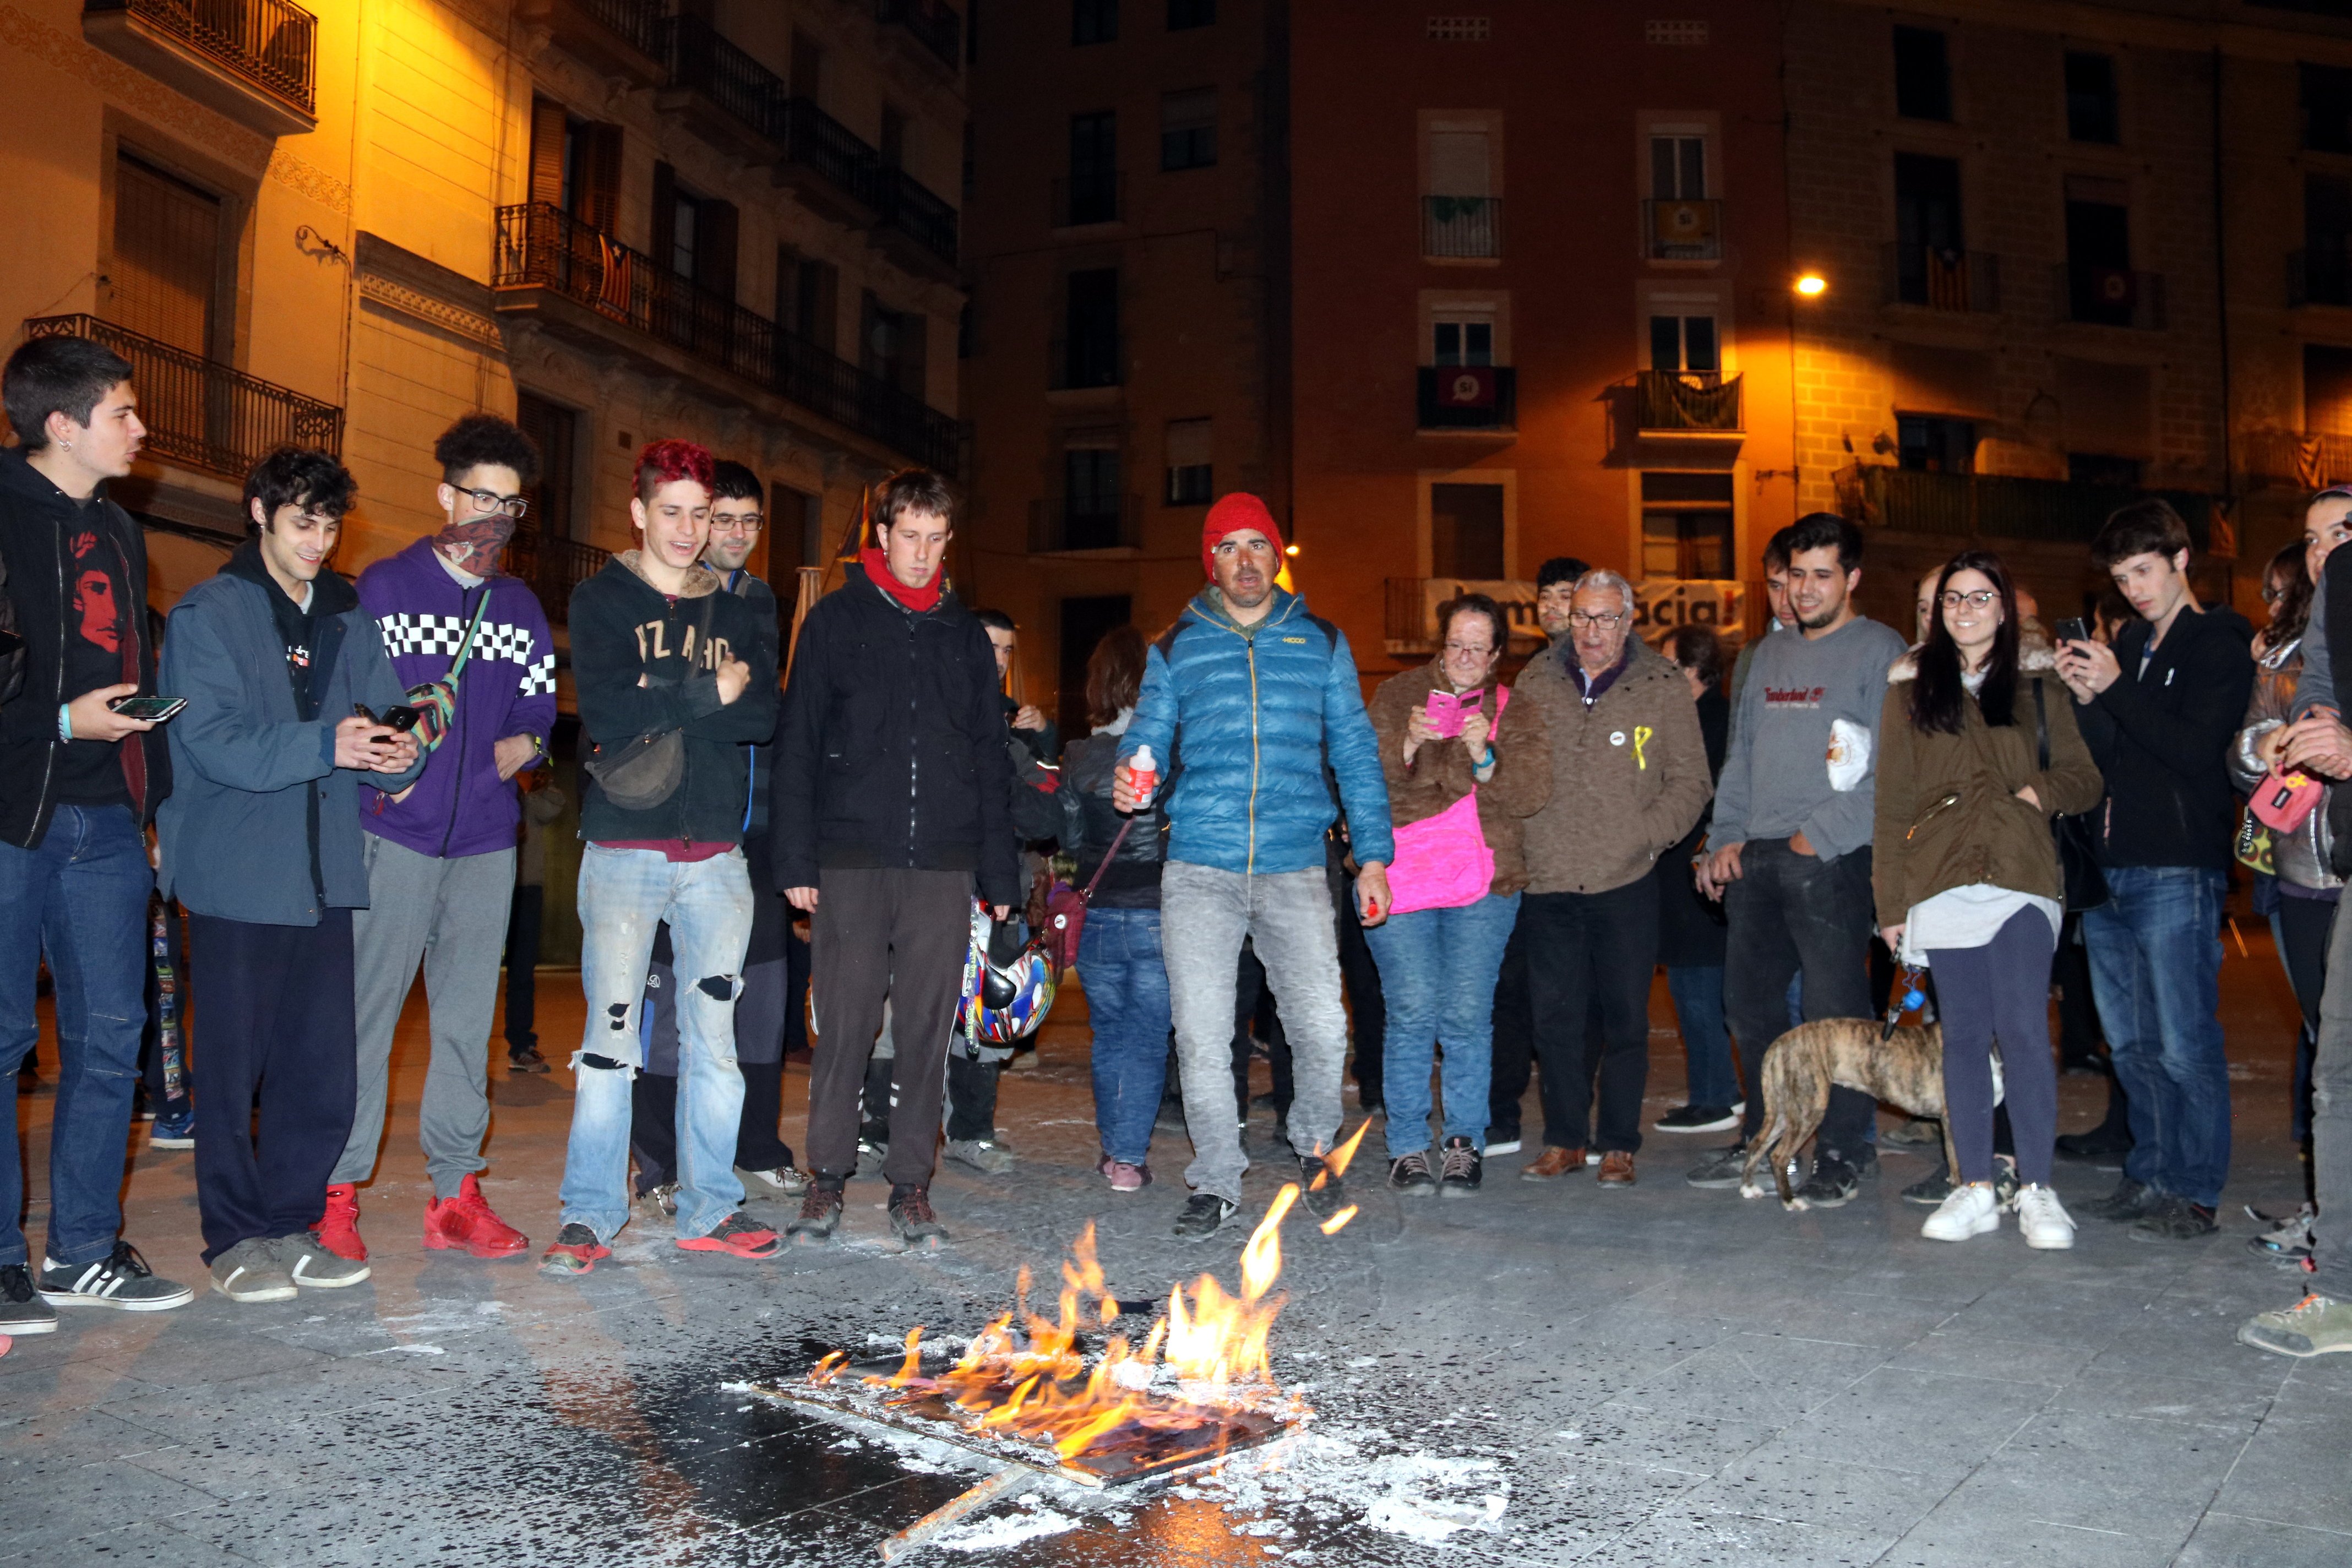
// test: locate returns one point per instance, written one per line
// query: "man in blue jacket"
(261, 843)
(440, 855)
(1246, 700)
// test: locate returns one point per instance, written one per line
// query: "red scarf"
(877, 570)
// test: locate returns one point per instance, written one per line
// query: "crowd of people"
(340, 783)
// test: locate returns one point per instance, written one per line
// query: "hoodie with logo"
(1776, 778)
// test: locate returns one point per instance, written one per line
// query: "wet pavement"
(1543, 1375)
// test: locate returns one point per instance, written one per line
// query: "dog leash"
(1910, 998)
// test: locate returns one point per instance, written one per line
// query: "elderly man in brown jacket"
(1629, 779)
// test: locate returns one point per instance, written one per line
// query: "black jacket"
(36, 518)
(1691, 930)
(1090, 824)
(892, 752)
(2162, 740)
(623, 627)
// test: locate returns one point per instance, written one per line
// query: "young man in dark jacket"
(893, 791)
(261, 843)
(2158, 710)
(78, 785)
(440, 855)
(659, 651)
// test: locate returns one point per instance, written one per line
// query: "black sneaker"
(2174, 1218)
(22, 1310)
(527, 1059)
(1203, 1214)
(2129, 1201)
(1319, 1190)
(911, 1217)
(1461, 1170)
(1697, 1119)
(1721, 1169)
(1410, 1174)
(1864, 1160)
(820, 1214)
(121, 1279)
(1933, 1190)
(1833, 1181)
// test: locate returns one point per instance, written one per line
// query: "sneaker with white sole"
(22, 1310)
(2286, 1239)
(783, 1182)
(985, 1156)
(2313, 1326)
(1971, 1210)
(250, 1271)
(308, 1261)
(2043, 1220)
(171, 1132)
(121, 1279)
(1697, 1119)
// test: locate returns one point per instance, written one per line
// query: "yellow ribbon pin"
(1641, 732)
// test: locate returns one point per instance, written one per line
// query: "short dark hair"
(298, 476)
(1560, 569)
(2144, 527)
(1115, 673)
(995, 621)
(57, 376)
(485, 440)
(1698, 650)
(730, 480)
(1474, 605)
(911, 489)
(1776, 550)
(1826, 530)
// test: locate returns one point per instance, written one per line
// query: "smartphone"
(2071, 630)
(1444, 713)
(156, 708)
(397, 718)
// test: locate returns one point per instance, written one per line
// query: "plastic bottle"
(1144, 773)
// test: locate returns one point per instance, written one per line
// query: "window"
(1460, 217)
(1090, 328)
(694, 236)
(2326, 389)
(1928, 245)
(1685, 343)
(1094, 169)
(2327, 240)
(893, 146)
(1678, 168)
(556, 432)
(808, 67)
(1191, 466)
(2098, 468)
(575, 164)
(894, 345)
(2100, 284)
(808, 293)
(1465, 533)
(1934, 444)
(1090, 497)
(1188, 129)
(1094, 21)
(2091, 97)
(683, 212)
(1184, 13)
(1686, 527)
(1923, 75)
(1463, 339)
(2326, 94)
(166, 266)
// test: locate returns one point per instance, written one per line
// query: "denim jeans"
(624, 895)
(2156, 968)
(1697, 991)
(1437, 976)
(1204, 914)
(1126, 1002)
(81, 897)
(1798, 917)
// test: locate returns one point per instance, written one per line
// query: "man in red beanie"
(1256, 694)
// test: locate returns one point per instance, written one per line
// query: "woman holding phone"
(1447, 732)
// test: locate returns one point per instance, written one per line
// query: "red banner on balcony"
(1465, 386)
(2114, 286)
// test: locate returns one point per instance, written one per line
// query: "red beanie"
(1232, 514)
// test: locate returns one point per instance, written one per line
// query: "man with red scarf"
(891, 806)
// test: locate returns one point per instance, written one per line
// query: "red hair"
(665, 462)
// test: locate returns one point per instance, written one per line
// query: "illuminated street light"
(1813, 285)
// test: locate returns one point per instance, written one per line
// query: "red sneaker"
(338, 1230)
(744, 1238)
(466, 1221)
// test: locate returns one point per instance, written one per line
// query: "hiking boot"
(1319, 1192)
(2043, 1220)
(2129, 1201)
(1202, 1214)
(2174, 1218)
(22, 1310)
(1411, 1176)
(337, 1229)
(174, 1131)
(985, 1156)
(784, 1181)
(468, 1222)
(820, 1214)
(1552, 1163)
(121, 1279)
(1124, 1177)
(2313, 1326)
(1832, 1183)
(308, 1262)
(911, 1217)
(1697, 1119)
(1919, 1133)
(1966, 1211)
(738, 1234)
(1617, 1168)
(575, 1250)
(527, 1059)
(1723, 1168)
(250, 1271)
(2288, 1240)
(1461, 1168)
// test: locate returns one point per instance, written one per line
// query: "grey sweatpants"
(1203, 914)
(451, 914)
(2331, 1125)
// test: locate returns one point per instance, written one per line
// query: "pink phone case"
(2282, 801)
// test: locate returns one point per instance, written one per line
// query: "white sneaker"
(1968, 1211)
(2043, 1220)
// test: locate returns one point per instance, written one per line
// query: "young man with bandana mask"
(440, 853)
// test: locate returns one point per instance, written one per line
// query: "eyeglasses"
(1979, 598)
(1593, 619)
(2272, 593)
(1468, 651)
(747, 523)
(490, 500)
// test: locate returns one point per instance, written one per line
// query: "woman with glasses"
(1447, 731)
(1968, 882)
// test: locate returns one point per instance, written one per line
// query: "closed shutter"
(547, 150)
(914, 351)
(599, 205)
(665, 238)
(715, 244)
(166, 257)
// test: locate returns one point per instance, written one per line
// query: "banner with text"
(1660, 604)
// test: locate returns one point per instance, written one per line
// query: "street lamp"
(1812, 285)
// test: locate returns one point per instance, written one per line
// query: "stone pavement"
(1657, 1375)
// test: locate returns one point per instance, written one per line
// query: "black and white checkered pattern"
(498, 640)
(540, 678)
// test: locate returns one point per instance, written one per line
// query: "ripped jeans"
(624, 895)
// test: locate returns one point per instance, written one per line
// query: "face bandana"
(473, 546)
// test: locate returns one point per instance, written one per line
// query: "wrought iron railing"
(554, 567)
(2000, 506)
(2304, 460)
(915, 212)
(202, 413)
(1466, 397)
(272, 44)
(936, 27)
(541, 245)
(1462, 226)
(819, 143)
(699, 58)
(638, 23)
(1692, 400)
(1938, 278)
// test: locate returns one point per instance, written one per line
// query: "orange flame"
(1339, 1222)
(1339, 1158)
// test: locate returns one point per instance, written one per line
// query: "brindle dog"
(1905, 1070)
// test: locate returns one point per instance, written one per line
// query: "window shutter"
(714, 248)
(599, 206)
(664, 233)
(914, 351)
(546, 150)
(823, 292)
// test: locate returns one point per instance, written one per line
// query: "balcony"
(253, 60)
(1686, 402)
(728, 97)
(1938, 278)
(1069, 524)
(553, 567)
(2298, 460)
(618, 37)
(917, 228)
(1461, 229)
(1992, 506)
(2321, 274)
(827, 166)
(1092, 359)
(1466, 397)
(580, 283)
(931, 24)
(1083, 199)
(2110, 296)
(1676, 230)
(199, 413)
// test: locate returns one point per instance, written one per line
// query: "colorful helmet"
(1003, 1002)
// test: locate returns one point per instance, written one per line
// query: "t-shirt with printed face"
(100, 644)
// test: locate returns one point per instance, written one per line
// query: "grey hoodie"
(1776, 781)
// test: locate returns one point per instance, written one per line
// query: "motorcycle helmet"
(1004, 998)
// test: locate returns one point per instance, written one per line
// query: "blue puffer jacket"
(1253, 715)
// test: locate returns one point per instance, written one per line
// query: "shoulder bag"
(640, 774)
(436, 702)
(1443, 862)
(2078, 860)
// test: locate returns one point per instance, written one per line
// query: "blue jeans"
(2156, 968)
(1126, 1000)
(624, 895)
(1437, 976)
(1697, 991)
(81, 897)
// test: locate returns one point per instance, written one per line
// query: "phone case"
(2282, 801)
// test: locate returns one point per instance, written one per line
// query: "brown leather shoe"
(1616, 1168)
(1553, 1163)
